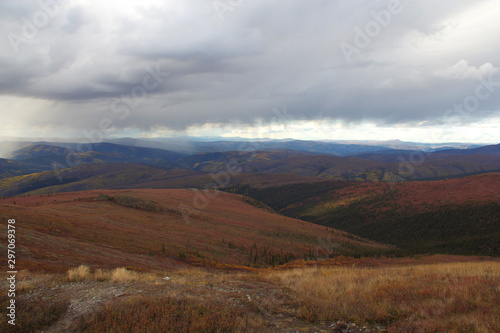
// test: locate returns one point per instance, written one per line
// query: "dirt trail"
(266, 301)
(84, 299)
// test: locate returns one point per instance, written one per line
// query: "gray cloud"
(262, 55)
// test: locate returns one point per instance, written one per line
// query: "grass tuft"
(100, 275)
(81, 273)
(124, 275)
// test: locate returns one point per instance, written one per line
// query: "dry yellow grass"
(124, 275)
(81, 273)
(441, 297)
(26, 280)
(100, 275)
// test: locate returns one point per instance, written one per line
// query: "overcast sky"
(424, 71)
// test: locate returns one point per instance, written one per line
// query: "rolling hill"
(101, 176)
(125, 175)
(487, 150)
(158, 229)
(325, 147)
(395, 155)
(10, 168)
(382, 168)
(147, 167)
(458, 216)
(375, 166)
(45, 157)
(95, 154)
(38, 150)
(317, 147)
(95, 170)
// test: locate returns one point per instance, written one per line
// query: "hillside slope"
(124, 175)
(458, 216)
(103, 176)
(46, 155)
(164, 228)
(10, 168)
(372, 168)
(396, 155)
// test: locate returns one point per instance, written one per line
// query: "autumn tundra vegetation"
(289, 244)
(395, 296)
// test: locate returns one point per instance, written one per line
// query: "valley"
(457, 216)
(249, 241)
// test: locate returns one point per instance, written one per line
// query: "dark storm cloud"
(239, 65)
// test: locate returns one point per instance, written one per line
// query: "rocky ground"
(270, 306)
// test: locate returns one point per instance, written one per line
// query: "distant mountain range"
(63, 164)
(108, 152)
(192, 146)
(339, 148)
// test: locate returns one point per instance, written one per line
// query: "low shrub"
(162, 315)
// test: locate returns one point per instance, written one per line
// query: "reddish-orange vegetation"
(414, 194)
(147, 229)
(477, 188)
(374, 262)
